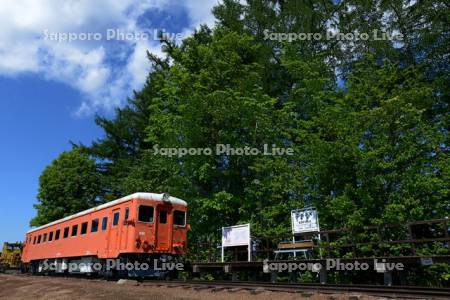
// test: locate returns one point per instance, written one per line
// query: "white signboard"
(238, 235)
(305, 220)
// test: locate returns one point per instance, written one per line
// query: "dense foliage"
(68, 185)
(368, 121)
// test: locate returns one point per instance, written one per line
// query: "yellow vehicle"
(10, 256)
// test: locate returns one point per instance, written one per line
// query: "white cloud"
(200, 11)
(105, 72)
(138, 66)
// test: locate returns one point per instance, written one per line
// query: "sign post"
(238, 235)
(305, 220)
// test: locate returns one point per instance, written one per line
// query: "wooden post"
(209, 250)
(273, 277)
(411, 237)
(387, 276)
(323, 276)
(446, 228)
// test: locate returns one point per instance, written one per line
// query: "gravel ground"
(41, 287)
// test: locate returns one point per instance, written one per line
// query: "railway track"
(255, 287)
(405, 292)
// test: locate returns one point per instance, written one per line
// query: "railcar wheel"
(33, 268)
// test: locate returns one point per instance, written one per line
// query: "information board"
(238, 235)
(305, 220)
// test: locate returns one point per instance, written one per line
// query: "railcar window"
(94, 225)
(116, 219)
(57, 234)
(84, 228)
(104, 223)
(179, 218)
(39, 239)
(127, 212)
(50, 237)
(163, 217)
(146, 214)
(34, 240)
(74, 230)
(66, 232)
(45, 238)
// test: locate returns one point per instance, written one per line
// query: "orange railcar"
(138, 227)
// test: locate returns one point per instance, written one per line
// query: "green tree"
(368, 119)
(68, 185)
(376, 156)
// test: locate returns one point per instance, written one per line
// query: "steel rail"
(379, 290)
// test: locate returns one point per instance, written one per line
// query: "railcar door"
(124, 231)
(114, 237)
(164, 232)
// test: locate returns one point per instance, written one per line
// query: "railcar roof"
(145, 196)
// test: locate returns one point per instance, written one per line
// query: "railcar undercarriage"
(157, 266)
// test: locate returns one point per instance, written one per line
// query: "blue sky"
(50, 90)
